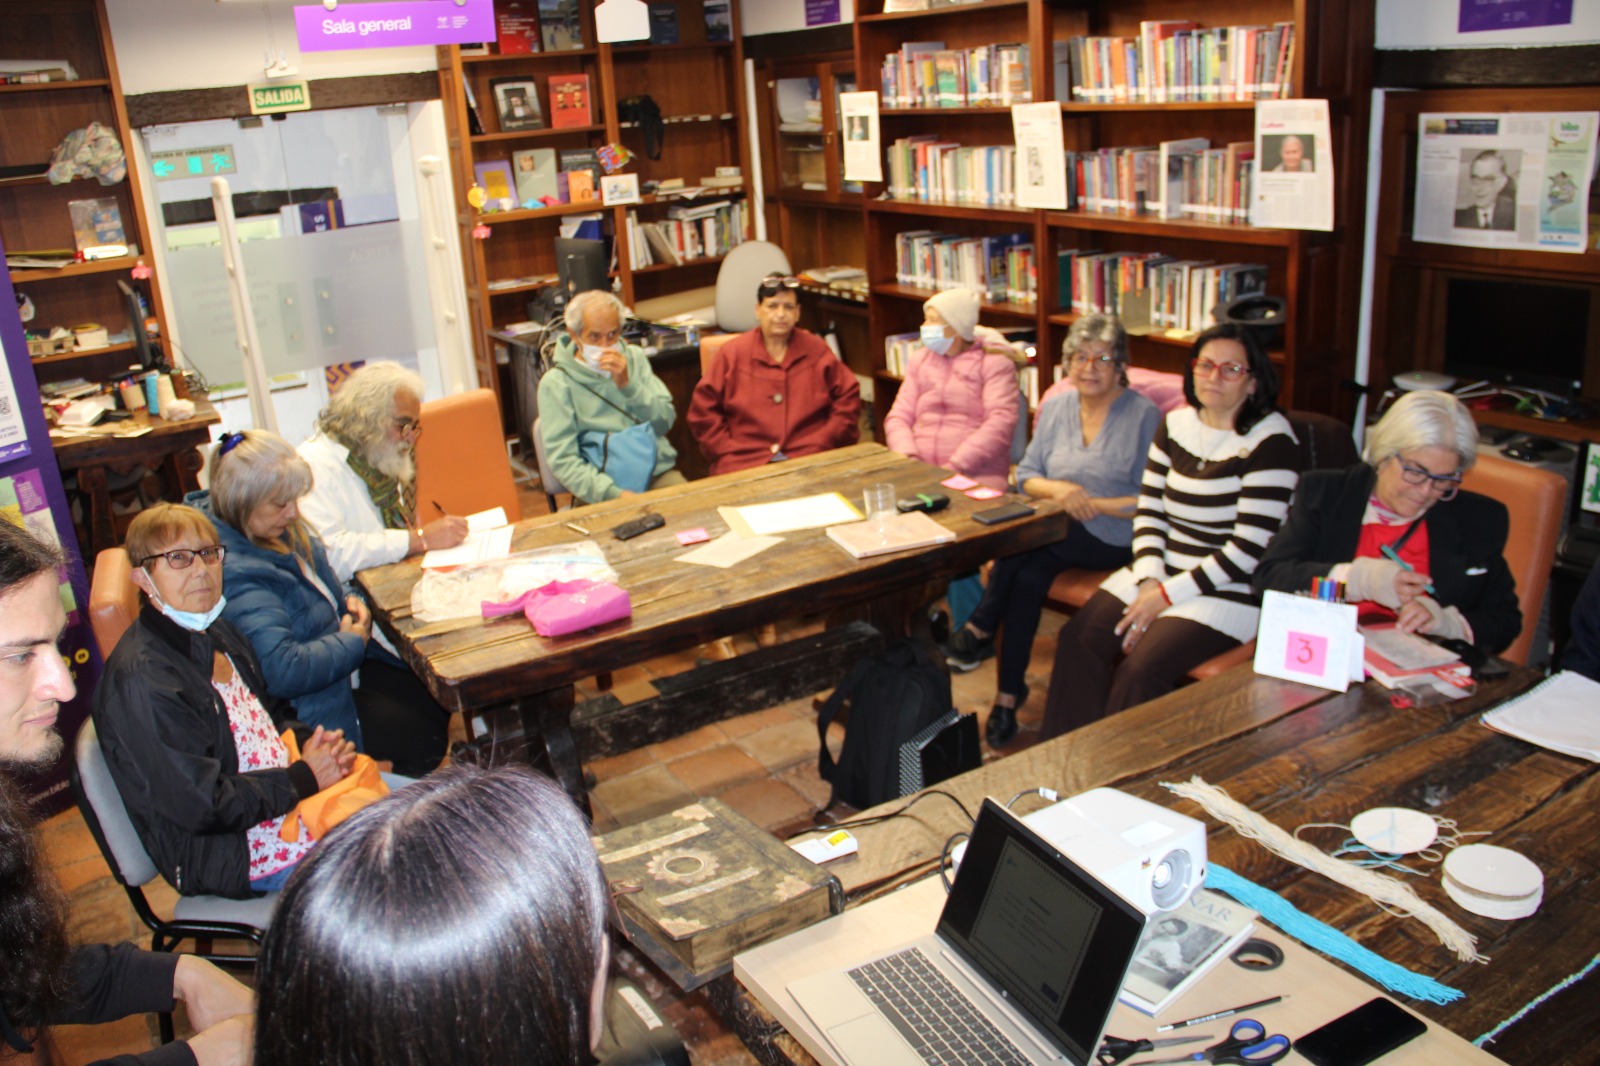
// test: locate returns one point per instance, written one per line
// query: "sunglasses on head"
(780, 281)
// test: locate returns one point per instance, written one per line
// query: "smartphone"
(1005, 513)
(923, 501)
(1370, 1031)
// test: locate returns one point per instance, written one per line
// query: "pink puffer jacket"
(958, 411)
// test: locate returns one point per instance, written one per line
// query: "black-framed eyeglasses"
(1206, 368)
(407, 426)
(1444, 485)
(183, 558)
(1090, 359)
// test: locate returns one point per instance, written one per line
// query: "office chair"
(547, 477)
(199, 918)
(736, 297)
(113, 598)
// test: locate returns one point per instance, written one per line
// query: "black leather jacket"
(165, 732)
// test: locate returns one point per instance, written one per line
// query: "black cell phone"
(923, 501)
(1003, 514)
(1370, 1031)
(643, 524)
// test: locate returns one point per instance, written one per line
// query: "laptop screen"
(1050, 937)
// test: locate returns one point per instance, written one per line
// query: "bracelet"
(1163, 590)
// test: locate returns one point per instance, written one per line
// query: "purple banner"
(822, 12)
(1480, 15)
(32, 495)
(396, 24)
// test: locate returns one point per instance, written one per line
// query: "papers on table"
(786, 516)
(892, 533)
(488, 537)
(730, 549)
(1561, 713)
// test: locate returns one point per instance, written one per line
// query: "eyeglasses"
(1445, 485)
(1230, 371)
(1483, 179)
(183, 558)
(780, 281)
(407, 426)
(1089, 359)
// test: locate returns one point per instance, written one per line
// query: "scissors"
(1116, 1049)
(1247, 1045)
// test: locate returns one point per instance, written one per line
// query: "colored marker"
(1392, 554)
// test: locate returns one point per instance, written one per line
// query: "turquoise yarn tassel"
(1326, 939)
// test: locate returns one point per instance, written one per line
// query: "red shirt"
(1374, 535)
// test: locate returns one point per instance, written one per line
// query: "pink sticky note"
(1306, 653)
(692, 536)
(959, 482)
(984, 492)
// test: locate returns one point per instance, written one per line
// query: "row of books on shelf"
(994, 266)
(688, 232)
(1176, 179)
(926, 168)
(539, 177)
(1175, 61)
(927, 74)
(1181, 292)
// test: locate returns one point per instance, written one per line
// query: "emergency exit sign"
(278, 96)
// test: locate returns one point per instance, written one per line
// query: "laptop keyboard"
(940, 1023)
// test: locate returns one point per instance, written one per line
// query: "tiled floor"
(762, 764)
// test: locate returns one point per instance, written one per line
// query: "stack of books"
(1182, 291)
(926, 259)
(690, 231)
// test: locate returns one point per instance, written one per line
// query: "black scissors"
(1247, 1045)
(1116, 1049)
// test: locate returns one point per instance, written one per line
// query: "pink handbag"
(563, 607)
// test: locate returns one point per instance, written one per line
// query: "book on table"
(1391, 656)
(893, 533)
(1180, 947)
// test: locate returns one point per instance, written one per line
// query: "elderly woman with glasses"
(775, 392)
(1216, 488)
(313, 640)
(1088, 452)
(189, 730)
(1397, 531)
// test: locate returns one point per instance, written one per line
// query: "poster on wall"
(13, 435)
(1478, 16)
(863, 161)
(1514, 180)
(1294, 165)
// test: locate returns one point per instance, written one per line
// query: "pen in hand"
(1389, 551)
(437, 506)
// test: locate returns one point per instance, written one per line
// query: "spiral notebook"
(1561, 713)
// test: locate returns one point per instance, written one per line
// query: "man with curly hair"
(42, 980)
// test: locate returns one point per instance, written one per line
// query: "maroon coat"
(748, 408)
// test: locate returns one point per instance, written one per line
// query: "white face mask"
(934, 339)
(589, 355)
(194, 621)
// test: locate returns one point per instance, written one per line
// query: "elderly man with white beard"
(363, 497)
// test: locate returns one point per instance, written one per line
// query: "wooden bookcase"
(1318, 274)
(1410, 276)
(698, 86)
(34, 118)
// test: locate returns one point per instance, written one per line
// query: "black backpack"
(904, 732)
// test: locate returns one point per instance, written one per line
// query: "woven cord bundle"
(1387, 891)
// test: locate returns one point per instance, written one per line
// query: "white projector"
(1152, 857)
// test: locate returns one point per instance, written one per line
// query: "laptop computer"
(1027, 959)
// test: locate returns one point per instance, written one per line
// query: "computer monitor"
(582, 264)
(1514, 331)
(150, 356)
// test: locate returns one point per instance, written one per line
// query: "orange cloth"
(362, 786)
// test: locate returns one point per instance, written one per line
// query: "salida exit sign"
(279, 96)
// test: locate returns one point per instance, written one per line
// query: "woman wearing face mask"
(774, 392)
(188, 729)
(312, 639)
(599, 382)
(959, 403)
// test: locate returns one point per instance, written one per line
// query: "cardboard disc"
(1394, 830)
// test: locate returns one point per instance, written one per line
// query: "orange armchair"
(113, 598)
(1536, 499)
(462, 463)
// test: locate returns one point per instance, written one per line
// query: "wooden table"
(510, 675)
(1296, 754)
(170, 448)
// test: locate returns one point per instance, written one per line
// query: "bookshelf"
(696, 83)
(1317, 274)
(34, 216)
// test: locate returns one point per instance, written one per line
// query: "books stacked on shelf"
(928, 169)
(1182, 292)
(1177, 179)
(1177, 62)
(688, 232)
(1022, 275)
(897, 351)
(926, 259)
(926, 74)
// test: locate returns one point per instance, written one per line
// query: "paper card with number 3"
(1311, 641)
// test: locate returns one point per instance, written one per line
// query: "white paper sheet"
(1041, 165)
(863, 160)
(728, 550)
(1294, 165)
(477, 548)
(786, 516)
(1310, 641)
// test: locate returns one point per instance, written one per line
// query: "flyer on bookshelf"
(1511, 180)
(1294, 165)
(1041, 171)
(863, 159)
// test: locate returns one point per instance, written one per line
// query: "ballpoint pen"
(1219, 1014)
(1394, 555)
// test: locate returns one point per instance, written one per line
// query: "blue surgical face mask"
(934, 339)
(590, 354)
(194, 621)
